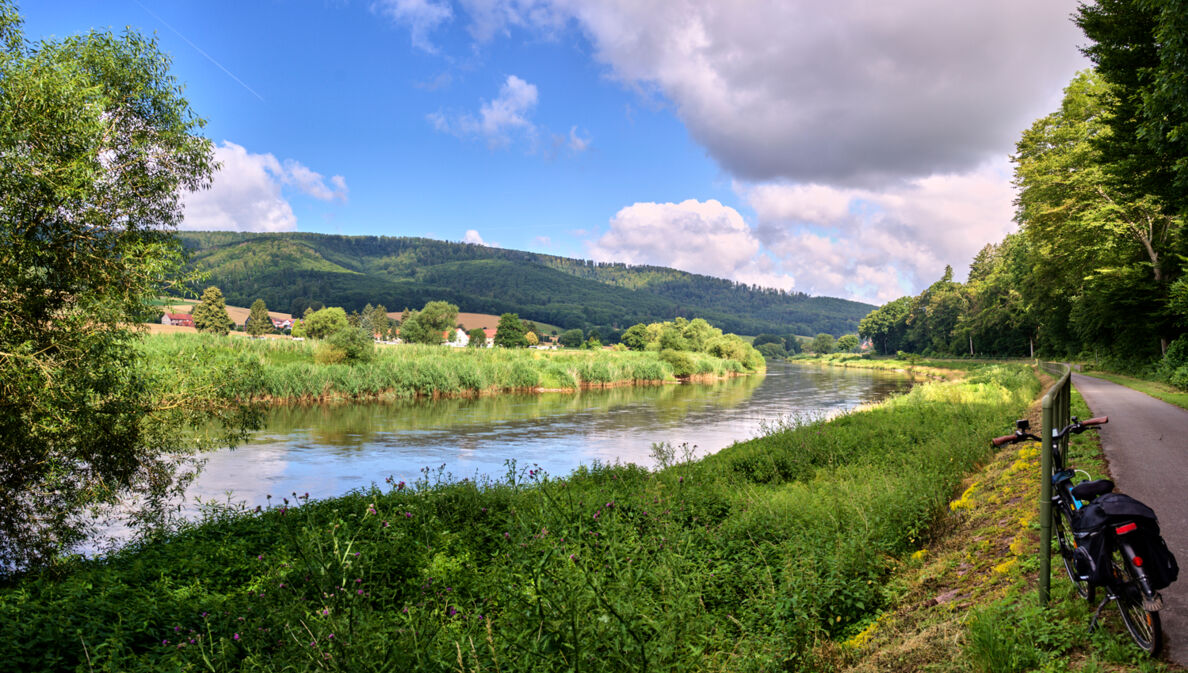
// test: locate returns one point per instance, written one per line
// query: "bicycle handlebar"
(1005, 439)
(1100, 420)
(1076, 428)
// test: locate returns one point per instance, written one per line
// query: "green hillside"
(352, 271)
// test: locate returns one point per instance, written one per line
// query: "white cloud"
(846, 93)
(497, 119)
(578, 143)
(700, 237)
(877, 245)
(247, 192)
(420, 16)
(472, 236)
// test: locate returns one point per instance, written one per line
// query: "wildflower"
(356, 554)
(385, 524)
(357, 581)
(325, 611)
(331, 637)
(176, 629)
(408, 515)
(360, 592)
(235, 637)
(165, 642)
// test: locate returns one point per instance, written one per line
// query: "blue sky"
(845, 151)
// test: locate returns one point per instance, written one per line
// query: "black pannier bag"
(1091, 526)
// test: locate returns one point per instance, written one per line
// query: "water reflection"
(328, 450)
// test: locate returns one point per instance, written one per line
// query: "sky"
(849, 148)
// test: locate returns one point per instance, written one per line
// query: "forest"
(1096, 267)
(352, 271)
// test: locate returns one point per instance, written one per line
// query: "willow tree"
(97, 146)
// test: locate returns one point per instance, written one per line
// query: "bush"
(355, 343)
(681, 362)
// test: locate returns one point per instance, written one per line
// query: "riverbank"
(747, 560)
(965, 600)
(285, 371)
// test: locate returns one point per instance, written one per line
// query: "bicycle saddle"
(1088, 490)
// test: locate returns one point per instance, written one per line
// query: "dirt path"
(1146, 444)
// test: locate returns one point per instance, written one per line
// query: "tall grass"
(286, 369)
(738, 562)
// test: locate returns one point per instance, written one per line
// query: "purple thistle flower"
(235, 637)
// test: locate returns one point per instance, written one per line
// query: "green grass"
(744, 561)
(1162, 391)
(285, 369)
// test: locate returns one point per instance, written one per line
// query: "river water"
(329, 450)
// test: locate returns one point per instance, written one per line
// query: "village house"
(179, 319)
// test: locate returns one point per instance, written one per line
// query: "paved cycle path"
(1146, 444)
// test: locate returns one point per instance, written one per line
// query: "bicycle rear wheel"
(1145, 628)
(1065, 544)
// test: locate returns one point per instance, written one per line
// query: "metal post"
(1045, 548)
(1057, 406)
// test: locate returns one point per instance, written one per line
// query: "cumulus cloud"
(700, 237)
(247, 193)
(421, 17)
(472, 236)
(497, 120)
(876, 245)
(850, 93)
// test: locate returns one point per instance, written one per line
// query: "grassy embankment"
(286, 370)
(966, 600)
(1156, 389)
(753, 559)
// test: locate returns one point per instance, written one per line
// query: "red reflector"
(1122, 530)
(1138, 562)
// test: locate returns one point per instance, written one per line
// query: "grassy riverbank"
(965, 601)
(749, 560)
(286, 370)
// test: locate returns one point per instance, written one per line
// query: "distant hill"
(352, 271)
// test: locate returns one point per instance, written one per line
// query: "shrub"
(681, 362)
(355, 343)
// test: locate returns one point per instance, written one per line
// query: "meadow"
(747, 560)
(282, 369)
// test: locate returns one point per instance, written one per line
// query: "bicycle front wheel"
(1145, 628)
(1065, 544)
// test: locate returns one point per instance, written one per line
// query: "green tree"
(572, 338)
(439, 315)
(772, 350)
(847, 343)
(258, 321)
(886, 325)
(96, 148)
(822, 344)
(768, 339)
(478, 338)
(510, 332)
(324, 322)
(1103, 254)
(210, 314)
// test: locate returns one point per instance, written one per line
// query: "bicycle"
(1125, 581)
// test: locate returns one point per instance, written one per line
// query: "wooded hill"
(352, 271)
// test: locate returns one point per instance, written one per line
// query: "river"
(331, 449)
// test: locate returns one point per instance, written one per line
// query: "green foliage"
(738, 562)
(210, 314)
(681, 362)
(847, 343)
(258, 321)
(324, 322)
(573, 294)
(822, 344)
(510, 332)
(477, 338)
(356, 344)
(634, 338)
(772, 350)
(572, 338)
(97, 148)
